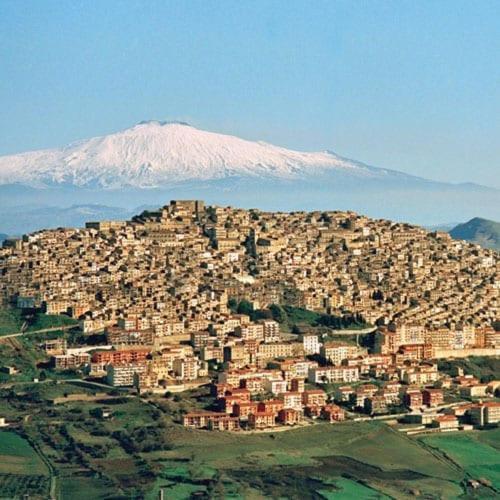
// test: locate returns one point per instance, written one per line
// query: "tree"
(278, 313)
(232, 303)
(245, 307)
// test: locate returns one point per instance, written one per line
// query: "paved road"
(44, 330)
(364, 331)
(433, 409)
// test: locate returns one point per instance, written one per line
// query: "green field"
(347, 460)
(18, 457)
(480, 459)
(309, 460)
(21, 469)
(83, 487)
(348, 489)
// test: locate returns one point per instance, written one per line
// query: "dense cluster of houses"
(159, 285)
(173, 270)
(259, 388)
(237, 409)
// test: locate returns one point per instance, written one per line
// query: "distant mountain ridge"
(20, 220)
(484, 232)
(154, 162)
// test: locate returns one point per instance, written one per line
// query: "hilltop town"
(290, 317)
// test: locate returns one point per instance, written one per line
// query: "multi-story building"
(186, 368)
(483, 414)
(329, 374)
(119, 375)
(311, 344)
(336, 352)
(432, 397)
(262, 420)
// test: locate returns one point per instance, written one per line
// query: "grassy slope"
(42, 321)
(300, 316)
(297, 315)
(479, 459)
(10, 321)
(294, 455)
(21, 353)
(369, 443)
(18, 457)
(479, 366)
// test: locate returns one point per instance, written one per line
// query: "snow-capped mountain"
(159, 154)
(154, 162)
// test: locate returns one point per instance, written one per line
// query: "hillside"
(484, 232)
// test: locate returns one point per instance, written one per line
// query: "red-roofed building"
(445, 422)
(254, 384)
(219, 390)
(241, 393)
(120, 356)
(333, 413)
(413, 399)
(313, 411)
(271, 405)
(432, 397)
(289, 416)
(243, 410)
(210, 419)
(261, 420)
(226, 423)
(314, 397)
(292, 400)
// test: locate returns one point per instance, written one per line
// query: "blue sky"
(408, 85)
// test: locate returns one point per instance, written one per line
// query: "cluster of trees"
(484, 368)
(241, 307)
(293, 316)
(141, 439)
(246, 307)
(24, 486)
(355, 320)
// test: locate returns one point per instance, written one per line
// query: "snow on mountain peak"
(162, 153)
